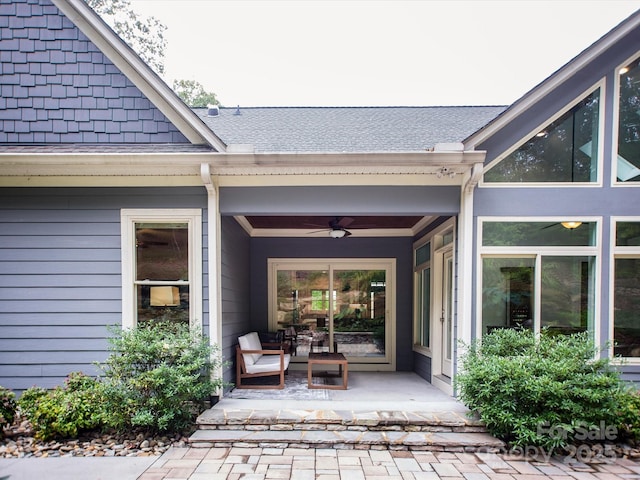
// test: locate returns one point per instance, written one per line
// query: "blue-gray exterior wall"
(236, 274)
(56, 86)
(60, 275)
(352, 200)
(602, 201)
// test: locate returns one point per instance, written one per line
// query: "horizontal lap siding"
(236, 297)
(60, 276)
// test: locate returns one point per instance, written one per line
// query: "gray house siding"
(60, 276)
(353, 200)
(236, 295)
(56, 86)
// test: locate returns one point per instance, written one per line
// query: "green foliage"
(193, 93)
(7, 407)
(544, 390)
(158, 376)
(64, 411)
(144, 35)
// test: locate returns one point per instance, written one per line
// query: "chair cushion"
(268, 363)
(250, 341)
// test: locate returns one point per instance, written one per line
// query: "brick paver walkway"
(330, 464)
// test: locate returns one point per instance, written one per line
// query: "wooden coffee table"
(328, 359)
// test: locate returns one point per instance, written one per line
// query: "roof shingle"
(347, 129)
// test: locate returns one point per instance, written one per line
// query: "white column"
(465, 261)
(214, 263)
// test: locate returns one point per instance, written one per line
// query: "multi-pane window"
(626, 290)
(422, 275)
(161, 279)
(539, 275)
(565, 151)
(628, 160)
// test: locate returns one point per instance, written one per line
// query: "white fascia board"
(333, 161)
(292, 167)
(338, 160)
(142, 76)
(559, 77)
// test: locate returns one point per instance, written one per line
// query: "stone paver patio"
(257, 463)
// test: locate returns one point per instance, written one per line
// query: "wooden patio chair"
(253, 360)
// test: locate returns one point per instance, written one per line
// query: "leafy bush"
(158, 376)
(546, 390)
(7, 408)
(64, 411)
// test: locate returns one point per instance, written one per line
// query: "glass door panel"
(359, 319)
(302, 311)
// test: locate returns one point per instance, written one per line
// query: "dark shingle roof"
(347, 129)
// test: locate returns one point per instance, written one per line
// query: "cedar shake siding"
(57, 87)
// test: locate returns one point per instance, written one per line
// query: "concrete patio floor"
(379, 391)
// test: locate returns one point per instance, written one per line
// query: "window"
(539, 274)
(626, 290)
(566, 150)
(628, 159)
(161, 261)
(342, 305)
(422, 278)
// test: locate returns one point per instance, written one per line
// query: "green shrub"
(7, 408)
(64, 411)
(545, 390)
(158, 376)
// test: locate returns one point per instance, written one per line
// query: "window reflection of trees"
(629, 116)
(565, 151)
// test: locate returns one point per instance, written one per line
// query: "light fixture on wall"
(571, 225)
(337, 233)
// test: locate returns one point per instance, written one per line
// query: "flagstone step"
(440, 431)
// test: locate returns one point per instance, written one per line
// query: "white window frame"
(601, 84)
(537, 252)
(418, 271)
(435, 239)
(615, 126)
(388, 363)
(618, 252)
(128, 220)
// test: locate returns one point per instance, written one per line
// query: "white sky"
(376, 53)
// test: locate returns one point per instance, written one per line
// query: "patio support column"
(464, 285)
(213, 260)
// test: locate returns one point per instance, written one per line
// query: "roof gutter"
(142, 76)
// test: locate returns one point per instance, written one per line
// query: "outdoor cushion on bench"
(253, 360)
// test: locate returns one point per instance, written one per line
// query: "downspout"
(213, 260)
(465, 262)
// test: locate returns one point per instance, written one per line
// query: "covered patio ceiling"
(321, 226)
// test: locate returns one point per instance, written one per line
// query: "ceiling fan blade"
(549, 226)
(318, 231)
(343, 222)
(346, 233)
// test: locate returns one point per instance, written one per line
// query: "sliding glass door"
(338, 306)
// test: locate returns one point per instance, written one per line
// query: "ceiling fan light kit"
(337, 233)
(571, 225)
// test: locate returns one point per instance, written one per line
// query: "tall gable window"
(628, 161)
(565, 151)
